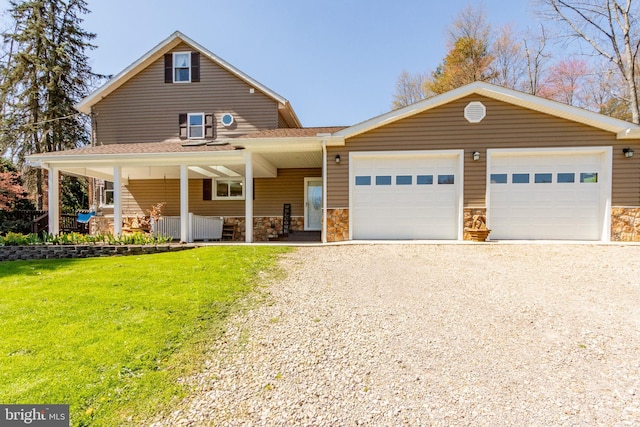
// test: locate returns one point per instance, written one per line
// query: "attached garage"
(551, 194)
(406, 195)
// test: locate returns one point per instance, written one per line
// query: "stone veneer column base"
(625, 224)
(468, 219)
(337, 225)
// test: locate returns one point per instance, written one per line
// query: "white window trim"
(189, 115)
(173, 67)
(228, 180)
(102, 196)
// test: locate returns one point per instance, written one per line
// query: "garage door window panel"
(363, 180)
(543, 178)
(446, 179)
(588, 177)
(566, 178)
(498, 178)
(383, 180)
(404, 180)
(424, 180)
(520, 178)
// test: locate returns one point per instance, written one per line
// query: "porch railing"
(200, 227)
(40, 221)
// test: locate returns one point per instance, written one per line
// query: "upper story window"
(182, 67)
(195, 126)
(195, 129)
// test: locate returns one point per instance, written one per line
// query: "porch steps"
(229, 232)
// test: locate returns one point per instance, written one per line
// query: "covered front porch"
(246, 184)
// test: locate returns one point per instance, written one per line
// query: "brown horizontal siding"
(288, 187)
(145, 109)
(270, 195)
(505, 126)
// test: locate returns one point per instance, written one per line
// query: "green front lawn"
(110, 336)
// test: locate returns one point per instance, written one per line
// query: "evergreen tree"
(45, 74)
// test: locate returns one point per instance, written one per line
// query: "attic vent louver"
(474, 112)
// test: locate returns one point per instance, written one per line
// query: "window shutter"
(208, 126)
(168, 68)
(207, 189)
(182, 120)
(195, 66)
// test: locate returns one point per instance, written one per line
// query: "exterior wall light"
(337, 158)
(628, 152)
(476, 156)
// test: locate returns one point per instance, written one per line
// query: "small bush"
(18, 239)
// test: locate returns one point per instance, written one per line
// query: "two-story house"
(183, 127)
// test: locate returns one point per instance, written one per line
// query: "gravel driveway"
(485, 335)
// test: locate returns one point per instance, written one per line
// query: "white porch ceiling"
(265, 165)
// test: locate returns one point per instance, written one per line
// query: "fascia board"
(135, 158)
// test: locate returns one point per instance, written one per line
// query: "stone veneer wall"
(468, 219)
(31, 252)
(625, 224)
(337, 225)
(264, 227)
(101, 225)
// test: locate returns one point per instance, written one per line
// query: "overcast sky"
(335, 61)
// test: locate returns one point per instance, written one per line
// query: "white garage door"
(552, 195)
(414, 195)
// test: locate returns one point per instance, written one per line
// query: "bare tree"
(509, 61)
(470, 23)
(408, 89)
(536, 58)
(608, 27)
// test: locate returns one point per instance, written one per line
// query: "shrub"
(16, 239)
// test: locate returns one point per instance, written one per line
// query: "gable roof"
(165, 46)
(623, 130)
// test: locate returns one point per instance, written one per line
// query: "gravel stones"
(491, 334)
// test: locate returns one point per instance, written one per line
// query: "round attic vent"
(474, 112)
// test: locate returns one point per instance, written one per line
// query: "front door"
(312, 204)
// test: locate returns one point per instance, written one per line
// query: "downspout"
(324, 191)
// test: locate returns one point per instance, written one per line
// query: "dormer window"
(181, 67)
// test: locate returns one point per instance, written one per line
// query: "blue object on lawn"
(83, 218)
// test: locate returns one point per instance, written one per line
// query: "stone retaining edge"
(34, 252)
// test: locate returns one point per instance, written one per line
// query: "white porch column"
(184, 204)
(117, 200)
(54, 201)
(248, 197)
